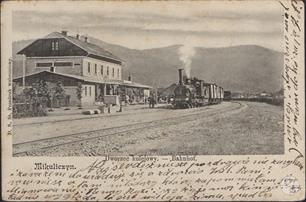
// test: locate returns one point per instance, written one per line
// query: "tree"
(79, 91)
(59, 91)
(58, 94)
(42, 91)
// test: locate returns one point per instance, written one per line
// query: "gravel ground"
(252, 128)
(54, 128)
(60, 114)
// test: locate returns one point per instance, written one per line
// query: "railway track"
(31, 147)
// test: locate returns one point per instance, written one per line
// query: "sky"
(145, 25)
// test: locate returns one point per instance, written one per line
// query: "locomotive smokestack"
(180, 76)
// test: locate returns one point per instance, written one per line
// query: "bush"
(31, 101)
(58, 95)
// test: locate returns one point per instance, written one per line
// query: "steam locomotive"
(193, 92)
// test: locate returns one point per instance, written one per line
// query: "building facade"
(61, 57)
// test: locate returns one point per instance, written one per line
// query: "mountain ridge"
(248, 68)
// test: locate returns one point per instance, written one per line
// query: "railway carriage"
(227, 95)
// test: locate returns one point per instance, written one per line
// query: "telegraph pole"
(23, 70)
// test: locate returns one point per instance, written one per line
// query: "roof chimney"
(130, 77)
(86, 39)
(64, 32)
(77, 36)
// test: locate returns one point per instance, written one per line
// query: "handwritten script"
(220, 179)
(293, 54)
(147, 178)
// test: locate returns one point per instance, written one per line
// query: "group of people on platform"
(152, 99)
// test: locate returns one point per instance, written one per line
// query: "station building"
(74, 61)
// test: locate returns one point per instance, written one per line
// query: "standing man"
(150, 101)
(153, 100)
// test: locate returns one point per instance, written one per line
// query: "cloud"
(205, 21)
(149, 23)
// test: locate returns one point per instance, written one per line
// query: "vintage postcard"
(153, 100)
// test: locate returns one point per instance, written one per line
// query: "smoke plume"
(186, 53)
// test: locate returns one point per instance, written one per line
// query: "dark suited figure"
(151, 101)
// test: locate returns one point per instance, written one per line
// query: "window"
(88, 67)
(63, 64)
(55, 64)
(118, 73)
(113, 72)
(44, 64)
(107, 70)
(54, 45)
(85, 90)
(89, 90)
(101, 69)
(96, 69)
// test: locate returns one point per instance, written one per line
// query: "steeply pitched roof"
(77, 77)
(90, 48)
(87, 79)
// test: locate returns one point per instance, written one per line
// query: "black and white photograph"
(153, 100)
(140, 81)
